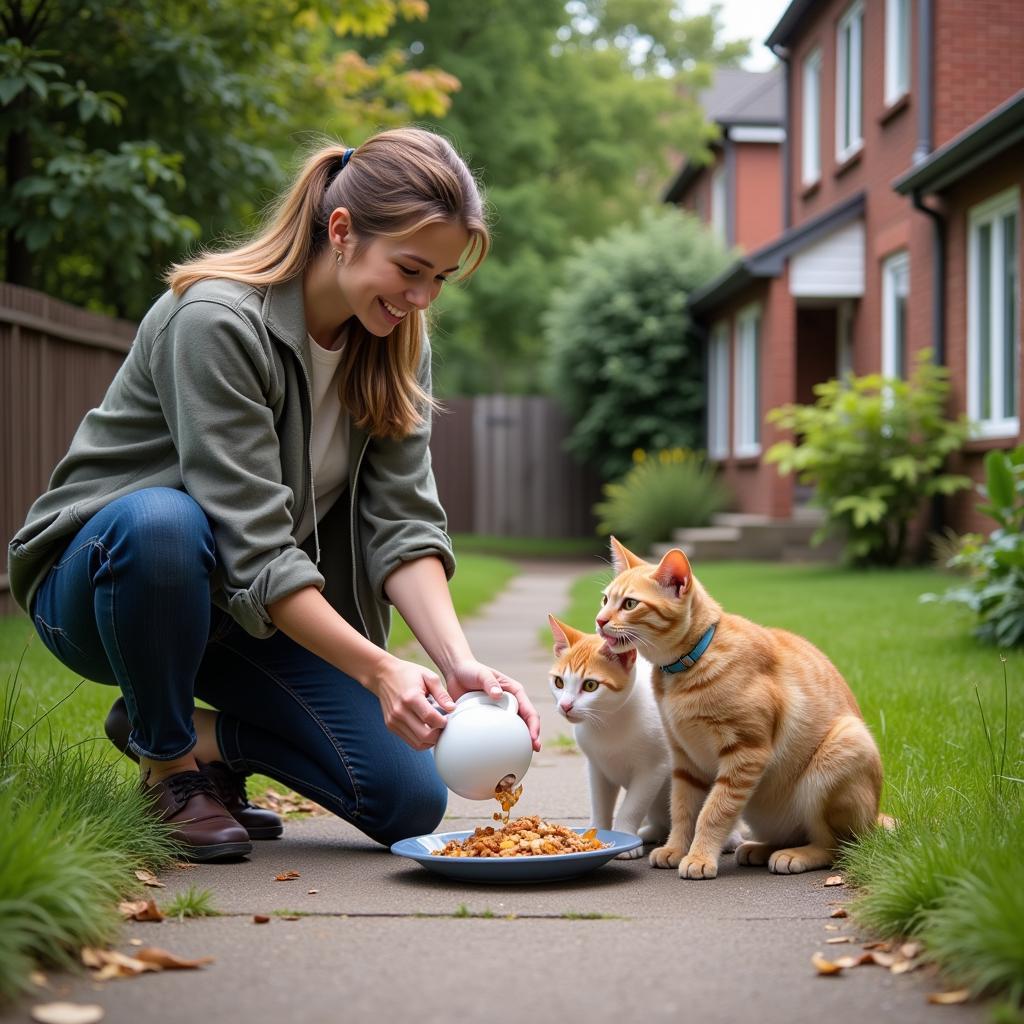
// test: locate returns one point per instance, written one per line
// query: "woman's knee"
(162, 530)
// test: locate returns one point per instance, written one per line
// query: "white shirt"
(329, 440)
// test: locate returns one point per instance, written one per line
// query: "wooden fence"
(498, 460)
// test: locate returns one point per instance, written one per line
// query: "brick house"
(900, 228)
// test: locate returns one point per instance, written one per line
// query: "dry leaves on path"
(878, 954)
(140, 910)
(148, 878)
(960, 995)
(287, 876)
(109, 963)
(839, 912)
(834, 880)
(66, 1013)
(286, 803)
(260, 919)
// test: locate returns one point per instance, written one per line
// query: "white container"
(483, 741)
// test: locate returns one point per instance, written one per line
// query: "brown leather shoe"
(188, 801)
(258, 822)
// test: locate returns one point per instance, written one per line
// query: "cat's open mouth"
(616, 644)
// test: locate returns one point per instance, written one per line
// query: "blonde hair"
(395, 183)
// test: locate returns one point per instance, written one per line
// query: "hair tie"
(346, 157)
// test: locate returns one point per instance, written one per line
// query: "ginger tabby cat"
(759, 722)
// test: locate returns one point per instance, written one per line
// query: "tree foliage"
(623, 357)
(133, 130)
(874, 448)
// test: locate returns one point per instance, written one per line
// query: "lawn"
(952, 742)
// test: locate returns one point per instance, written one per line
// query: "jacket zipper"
(311, 497)
(352, 534)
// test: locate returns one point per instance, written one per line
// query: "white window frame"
(718, 391)
(810, 156)
(850, 129)
(897, 50)
(895, 285)
(747, 383)
(1003, 419)
(719, 202)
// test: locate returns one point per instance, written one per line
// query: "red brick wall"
(758, 193)
(979, 62)
(697, 197)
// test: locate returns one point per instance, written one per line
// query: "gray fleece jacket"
(214, 399)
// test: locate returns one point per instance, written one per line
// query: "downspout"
(730, 190)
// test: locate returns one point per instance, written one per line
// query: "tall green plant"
(995, 591)
(874, 449)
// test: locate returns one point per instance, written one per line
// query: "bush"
(995, 592)
(623, 357)
(873, 447)
(668, 491)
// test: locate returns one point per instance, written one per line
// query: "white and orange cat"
(608, 699)
(758, 720)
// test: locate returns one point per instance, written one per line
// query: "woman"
(233, 521)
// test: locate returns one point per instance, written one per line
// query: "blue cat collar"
(691, 659)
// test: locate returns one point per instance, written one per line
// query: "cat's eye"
(604, 599)
(590, 685)
(557, 680)
(629, 604)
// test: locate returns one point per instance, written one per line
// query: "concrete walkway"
(379, 938)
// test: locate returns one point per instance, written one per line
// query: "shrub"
(995, 591)
(661, 493)
(623, 358)
(873, 447)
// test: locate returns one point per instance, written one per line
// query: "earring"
(339, 257)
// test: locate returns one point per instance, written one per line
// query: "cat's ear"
(565, 636)
(674, 572)
(623, 558)
(624, 658)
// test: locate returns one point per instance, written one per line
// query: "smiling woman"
(234, 520)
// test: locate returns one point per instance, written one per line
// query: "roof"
(996, 132)
(770, 260)
(790, 23)
(735, 97)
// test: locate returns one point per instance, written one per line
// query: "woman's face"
(392, 276)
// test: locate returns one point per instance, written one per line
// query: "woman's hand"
(402, 688)
(470, 674)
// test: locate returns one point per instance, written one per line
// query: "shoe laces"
(186, 785)
(229, 784)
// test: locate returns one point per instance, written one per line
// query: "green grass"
(953, 873)
(192, 902)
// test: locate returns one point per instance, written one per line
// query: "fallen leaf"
(260, 919)
(904, 966)
(38, 979)
(824, 965)
(879, 944)
(831, 927)
(161, 958)
(312, 892)
(836, 939)
(847, 961)
(286, 876)
(883, 959)
(287, 803)
(959, 995)
(834, 880)
(838, 912)
(185, 865)
(135, 942)
(910, 949)
(109, 963)
(67, 1013)
(148, 878)
(290, 917)
(140, 910)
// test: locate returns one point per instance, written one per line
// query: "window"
(993, 305)
(848, 83)
(897, 49)
(895, 289)
(811, 155)
(718, 203)
(718, 392)
(748, 373)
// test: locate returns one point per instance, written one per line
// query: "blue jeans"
(128, 604)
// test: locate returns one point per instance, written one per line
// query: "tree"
(571, 113)
(623, 357)
(133, 130)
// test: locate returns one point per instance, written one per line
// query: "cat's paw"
(651, 834)
(631, 854)
(797, 861)
(665, 857)
(696, 866)
(753, 854)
